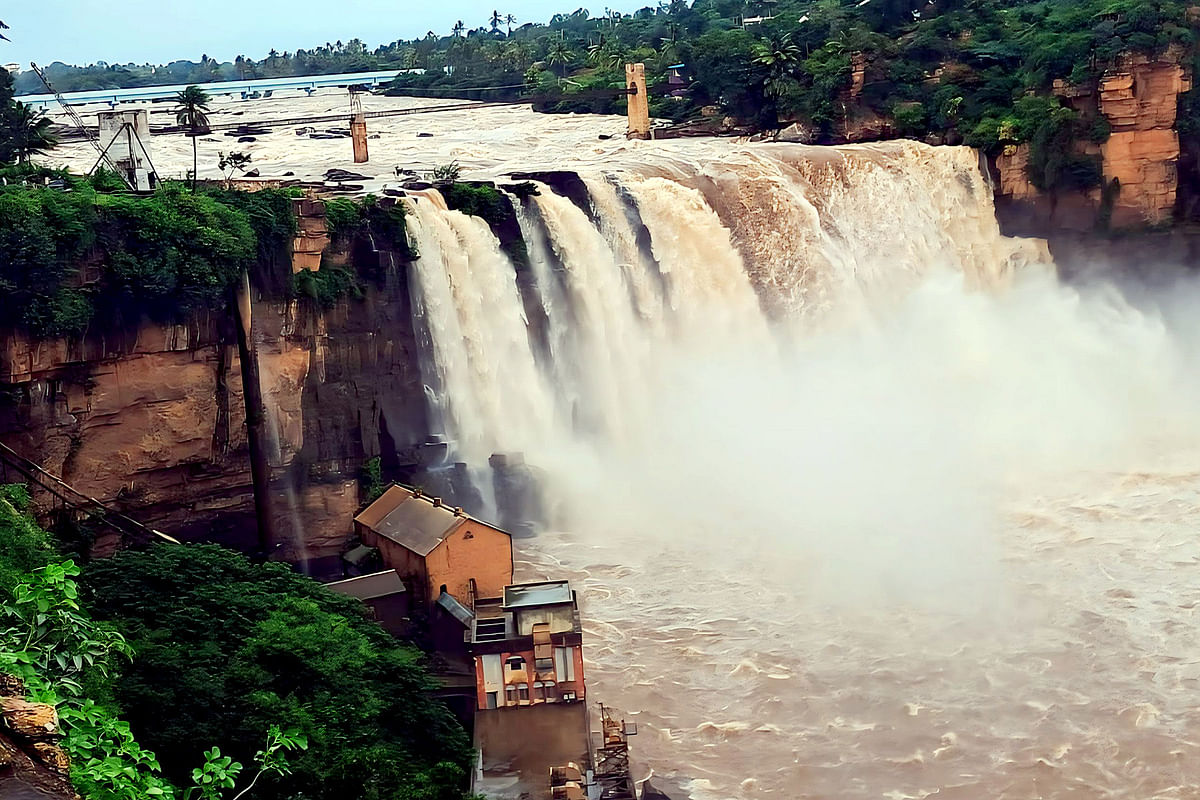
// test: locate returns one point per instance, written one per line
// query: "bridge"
(243, 88)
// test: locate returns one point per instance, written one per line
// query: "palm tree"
(495, 21)
(509, 19)
(560, 54)
(458, 28)
(4, 27)
(192, 112)
(30, 133)
(781, 56)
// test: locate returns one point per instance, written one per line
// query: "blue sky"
(120, 31)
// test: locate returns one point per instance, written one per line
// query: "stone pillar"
(358, 133)
(639, 102)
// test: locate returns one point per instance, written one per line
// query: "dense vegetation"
(954, 70)
(223, 648)
(178, 665)
(71, 253)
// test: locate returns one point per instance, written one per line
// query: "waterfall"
(671, 261)
(862, 502)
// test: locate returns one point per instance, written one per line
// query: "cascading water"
(869, 505)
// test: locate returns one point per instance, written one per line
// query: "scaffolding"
(612, 758)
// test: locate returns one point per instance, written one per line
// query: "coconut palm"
(494, 20)
(781, 56)
(509, 19)
(559, 54)
(458, 28)
(29, 133)
(191, 111)
(4, 27)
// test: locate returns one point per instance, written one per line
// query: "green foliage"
(327, 285)
(206, 625)
(447, 172)
(163, 256)
(370, 480)
(478, 200)
(54, 646)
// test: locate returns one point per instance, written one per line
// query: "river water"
(861, 501)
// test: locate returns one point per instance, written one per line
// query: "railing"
(130, 530)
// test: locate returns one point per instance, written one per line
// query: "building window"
(539, 691)
(510, 695)
(514, 663)
(564, 667)
(548, 692)
(568, 697)
(523, 691)
(492, 699)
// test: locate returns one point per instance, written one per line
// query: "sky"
(159, 31)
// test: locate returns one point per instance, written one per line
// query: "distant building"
(384, 592)
(436, 548)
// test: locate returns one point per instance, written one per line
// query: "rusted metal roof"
(413, 520)
(368, 587)
(544, 593)
(456, 609)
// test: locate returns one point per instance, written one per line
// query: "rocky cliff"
(152, 420)
(1139, 99)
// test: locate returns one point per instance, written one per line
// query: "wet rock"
(424, 135)
(254, 173)
(340, 175)
(32, 720)
(245, 139)
(519, 497)
(797, 133)
(52, 756)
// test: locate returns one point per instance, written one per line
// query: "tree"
(560, 54)
(29, 132)
(191, 111)
(781, 57)
(223, 648)
(4, 27)
(509, 19)
(234, 162)
(495, 21)
(458, 28)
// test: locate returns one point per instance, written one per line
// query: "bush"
(223, 648)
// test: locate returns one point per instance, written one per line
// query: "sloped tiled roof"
(415, 521)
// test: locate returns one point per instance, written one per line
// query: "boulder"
(52, 756)
(797, 133)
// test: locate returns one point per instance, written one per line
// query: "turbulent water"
(860, 500)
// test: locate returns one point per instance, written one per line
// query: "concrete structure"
(528, 647)
(384, 592)
(125, 136)
(531, 712)
(435, 548)
(358, 135)
(638, 102)
(246, 89)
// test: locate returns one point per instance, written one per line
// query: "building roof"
(358, 554)
(544, 593)
(413, 520)
(456, 609)
(369, 587)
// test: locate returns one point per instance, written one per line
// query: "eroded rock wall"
(153, 420)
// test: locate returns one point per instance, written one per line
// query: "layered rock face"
(1139, 99)
(153, 420)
